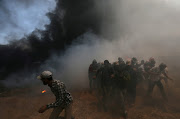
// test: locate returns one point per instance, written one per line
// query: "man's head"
(128, 62)
(45, 77)
(94, 62)
(142, 61)
(106, 62)
(162, 66)
(152, 60)
(134, 60)
(120, 60)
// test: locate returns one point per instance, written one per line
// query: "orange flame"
(43, 91)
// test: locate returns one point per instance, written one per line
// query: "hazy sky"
(21, 17)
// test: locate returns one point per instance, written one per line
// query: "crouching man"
(64, 99)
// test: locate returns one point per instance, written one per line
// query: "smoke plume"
(141, 29)
(83, 30)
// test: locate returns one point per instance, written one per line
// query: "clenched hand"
(42, 109)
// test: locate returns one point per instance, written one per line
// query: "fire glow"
(43, 91)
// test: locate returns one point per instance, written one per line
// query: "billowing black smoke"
(70, 19)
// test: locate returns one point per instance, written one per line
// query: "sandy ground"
(23, 103)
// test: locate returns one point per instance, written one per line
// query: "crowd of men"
(117, 81)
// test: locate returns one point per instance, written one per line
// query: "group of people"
(113, 83)
(117, 81)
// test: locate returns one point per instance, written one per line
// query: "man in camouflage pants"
(156, 75)
(91, 73)
(121, 76)
(106, 74)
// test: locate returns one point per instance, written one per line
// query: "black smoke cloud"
(69, 20)
(77, 34)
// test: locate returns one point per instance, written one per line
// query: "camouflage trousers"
(159, 85)
(120, 94)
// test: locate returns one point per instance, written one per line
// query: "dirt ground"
(23, 103)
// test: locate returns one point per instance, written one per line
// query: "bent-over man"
(64, 99)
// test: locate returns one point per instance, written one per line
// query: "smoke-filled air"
(65, 36)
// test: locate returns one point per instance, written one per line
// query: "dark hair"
(162, 66)
(106, 61)
(50, 78)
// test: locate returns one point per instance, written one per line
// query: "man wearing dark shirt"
(106, 74)
(64, 99)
